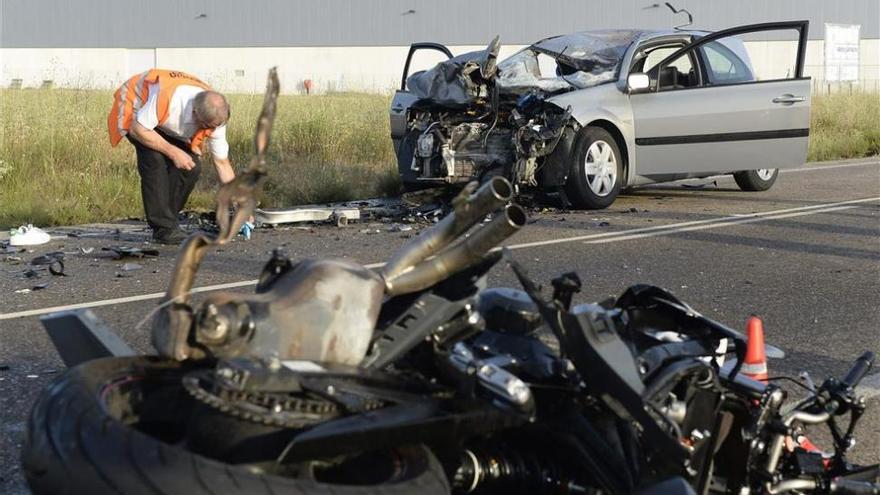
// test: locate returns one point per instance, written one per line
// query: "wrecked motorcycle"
(333, 378)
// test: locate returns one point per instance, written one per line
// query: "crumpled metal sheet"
(521, 72)
(590, 51)
(458, 81)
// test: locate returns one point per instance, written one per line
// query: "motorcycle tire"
(76, 444)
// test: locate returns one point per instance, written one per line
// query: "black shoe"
(170, 237)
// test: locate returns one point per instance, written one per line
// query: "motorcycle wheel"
(118, 425)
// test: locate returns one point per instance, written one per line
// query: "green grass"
(844, 126)
(57, 167)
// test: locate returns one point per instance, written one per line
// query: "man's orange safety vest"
(132, 95)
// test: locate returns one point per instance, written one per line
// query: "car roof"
(618, 35)
(599, 49)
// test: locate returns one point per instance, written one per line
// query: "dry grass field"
(57, 167)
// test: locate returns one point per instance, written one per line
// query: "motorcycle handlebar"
(859, 369)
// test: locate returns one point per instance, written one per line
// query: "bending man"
(168, 116)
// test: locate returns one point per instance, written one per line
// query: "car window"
(723, 66)
(683, 64)
(767, 55)
(677, 74)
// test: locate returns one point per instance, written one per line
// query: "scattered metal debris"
(12, 249)
(130, 267)
(54, 261)
(132, 252)
(341, 215)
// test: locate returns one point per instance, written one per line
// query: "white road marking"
(616, 236)
(870, 386)
(729, 218)
(805, 168)
(716, 225)
(828, 167)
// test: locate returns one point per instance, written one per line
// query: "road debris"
(28, 235)
(54, 261)
(130, 267)
(132, 252)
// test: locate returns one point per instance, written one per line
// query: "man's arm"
(224, 169)
(151, 139)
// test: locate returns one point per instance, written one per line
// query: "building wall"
(352, 45)
(253, 23)
(372, 69)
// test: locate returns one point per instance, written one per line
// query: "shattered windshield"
(580, 60)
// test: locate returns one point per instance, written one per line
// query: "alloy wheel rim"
(765, 173)
(600, 167)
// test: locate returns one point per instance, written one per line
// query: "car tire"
(756, 180)
(596, 173)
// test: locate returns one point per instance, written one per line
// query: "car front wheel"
(756, 180)
(596, 169)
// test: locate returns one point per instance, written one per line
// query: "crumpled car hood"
(457, 81)
(586, 59)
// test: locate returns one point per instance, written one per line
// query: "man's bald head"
(211, 109)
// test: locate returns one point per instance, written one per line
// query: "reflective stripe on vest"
(132, 95)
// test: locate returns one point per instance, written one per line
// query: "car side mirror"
(638, 82)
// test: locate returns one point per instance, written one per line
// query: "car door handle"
(788, 99)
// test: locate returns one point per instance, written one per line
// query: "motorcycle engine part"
(509, 311)
(511, 471)
(422, 318)
(317, 310)
(528, 353)
(498, 381)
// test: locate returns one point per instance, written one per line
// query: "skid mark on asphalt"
(618, 236)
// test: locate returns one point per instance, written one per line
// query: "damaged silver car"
(587, 114)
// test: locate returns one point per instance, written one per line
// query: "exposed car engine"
(475, 119)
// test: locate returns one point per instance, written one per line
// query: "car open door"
(727, 117)
(403, 98)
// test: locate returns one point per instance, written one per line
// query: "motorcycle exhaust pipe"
(468, 210)
(463, 255)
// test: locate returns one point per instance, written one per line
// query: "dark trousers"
(164, 187)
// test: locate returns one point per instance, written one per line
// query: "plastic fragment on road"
(133, 252)
(55, 261)
(341, 215)
(130, 267)
(28, 235)
(246, 230)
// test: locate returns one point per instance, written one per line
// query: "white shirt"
(180, 122)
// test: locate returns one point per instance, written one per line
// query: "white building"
(360, 45)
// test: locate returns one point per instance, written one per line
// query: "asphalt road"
(805, 256)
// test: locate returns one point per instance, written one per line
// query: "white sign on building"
(841, 52)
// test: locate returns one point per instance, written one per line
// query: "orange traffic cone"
(755, 365)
